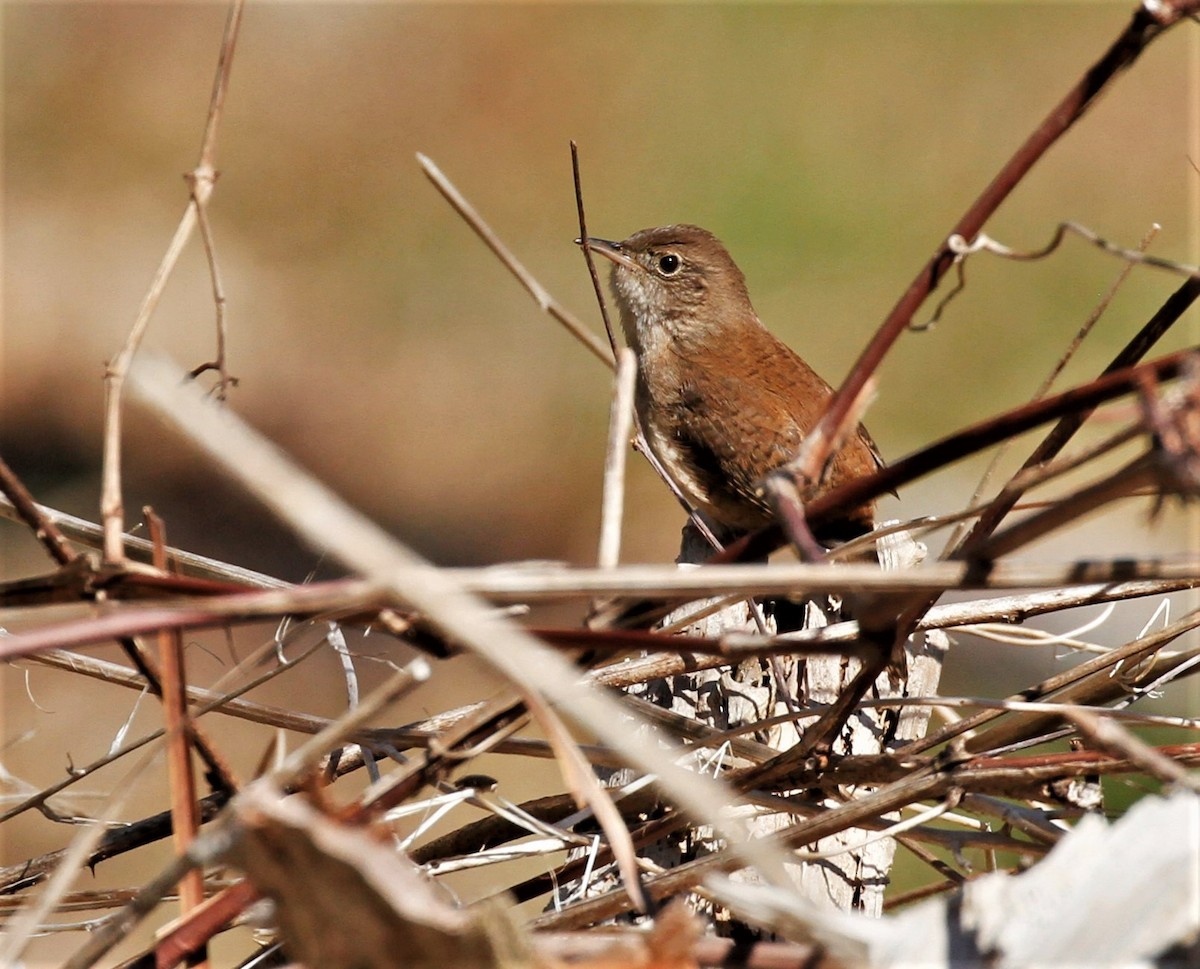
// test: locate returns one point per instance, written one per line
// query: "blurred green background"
(831, 146)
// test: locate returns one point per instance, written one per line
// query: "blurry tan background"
(829, 145)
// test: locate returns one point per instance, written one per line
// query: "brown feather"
(722, 401)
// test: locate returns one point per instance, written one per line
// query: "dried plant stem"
(984, 243)
(1124, 362)
(219, 774)
(89, 900)
(551, 306)
(587, 252)
(924, 784)
(207, 701)
(224, 906)
(1018, 779)
(185, 812)
(620, 424)
(30, 512)
(219, 910)
(112, 509)
(1130, 654)
(329, 524)
(1119, 743)
(1064, 406)
(202, 179)
(307, 758)
(117, 840)
(1075, 580)
(220, 363)
(24, 925)
(1139, 473)
(534, 584)
(91, 535)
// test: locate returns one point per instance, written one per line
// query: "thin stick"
(561, 584)
(91, 535)
(1141, 471)
(1116, 741)
(35, 517)
(620, 423)
(985, 243)
(551, 306)
(25, 923)
(185, 812)
(207, 701)
(586, 249)
(228, 903)
(535, 289)
(1068, 682)
(307, 757)
(1011, 609)
(203, 177)
(1168, 314)
(224, 380)
(1064, 406)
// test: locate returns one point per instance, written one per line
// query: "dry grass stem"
(202, 179)
(589, 261)
(25, 924)
(620, 423)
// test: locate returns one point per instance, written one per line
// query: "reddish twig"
(44, 530)
(192, 933)
(1082, 399)
(1168, 314)
(185, 811)
(1140, 472)
(1048, 381)
(1146, 24)
(587, 252)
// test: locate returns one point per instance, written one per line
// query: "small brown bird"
(722, 401)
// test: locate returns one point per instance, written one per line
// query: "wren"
(722, 402)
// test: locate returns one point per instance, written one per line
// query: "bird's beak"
(609, 250)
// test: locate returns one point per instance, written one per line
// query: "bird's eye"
(669, 264)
